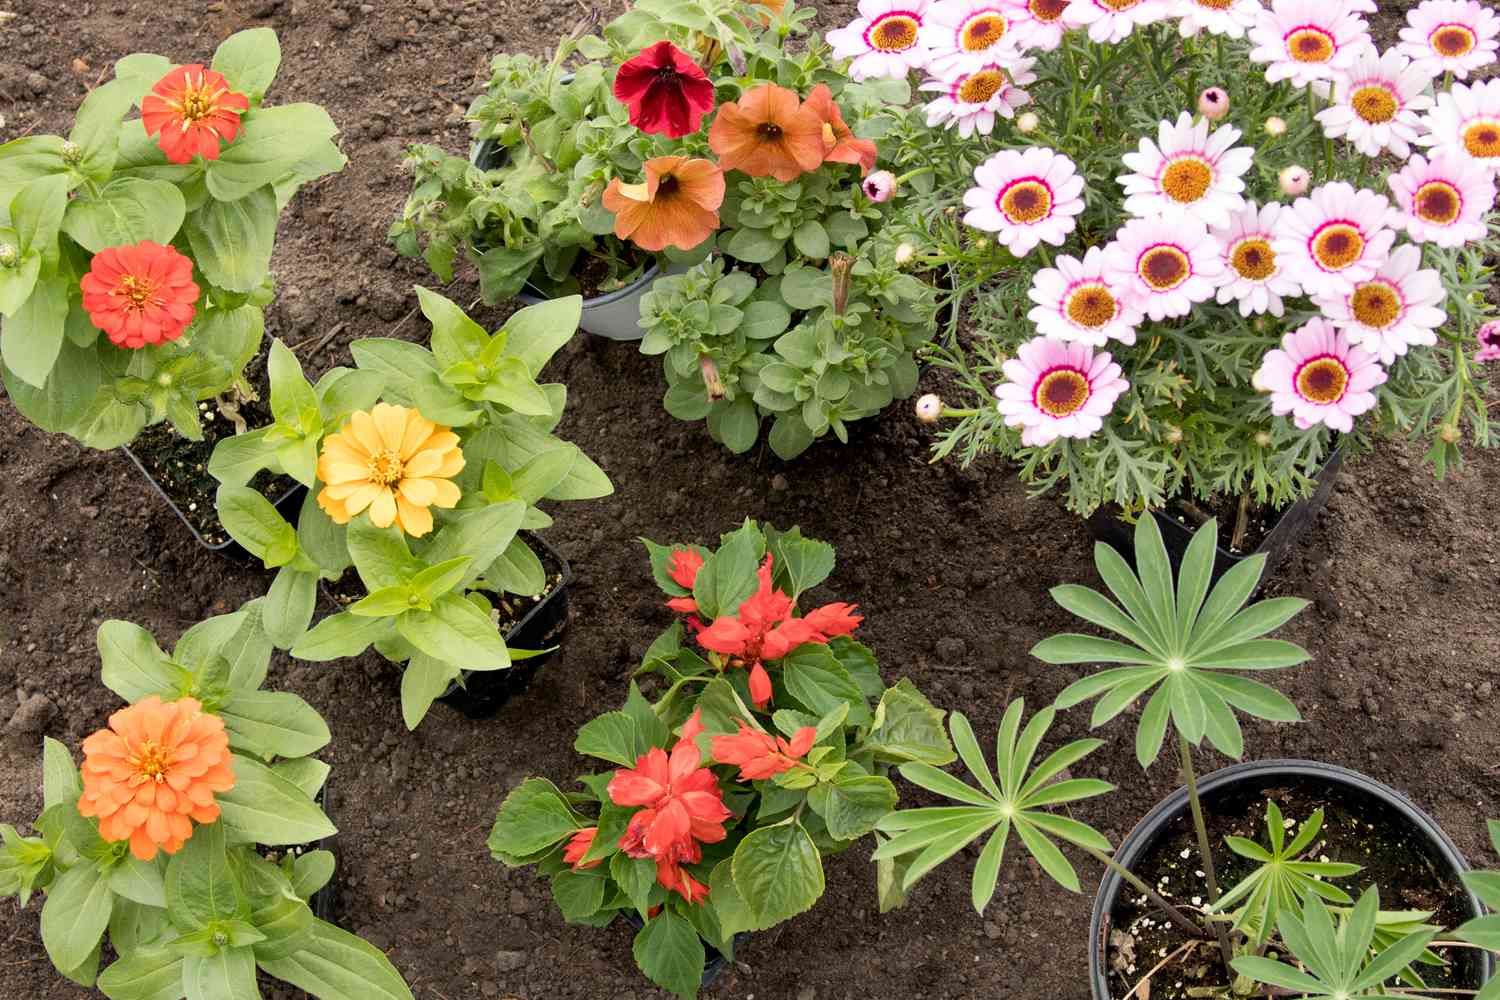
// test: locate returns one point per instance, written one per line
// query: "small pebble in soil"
(510, 961)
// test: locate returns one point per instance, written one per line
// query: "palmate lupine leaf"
(1341, 959)
(1180, 641)
(1014, 801)
(1485, 931)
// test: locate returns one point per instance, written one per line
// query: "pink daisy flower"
(966, 35)
(1377, 104)
(1110, 21)
(1164, 265)
(1025, 197)
(1443, 201)
(1335, 237)
(972, 100)
(1467, 119)
(1076, 302)
(1057, 389)
(1451, 36)
(1489, 342)
(1306, 41)
(1218, 17)
(1188, 170)
(1320, 378)
(1401, 307)
(884, 41)
(1253, 273)
(1042, 25)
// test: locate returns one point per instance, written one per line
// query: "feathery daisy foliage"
(1180, 643)
(1016, 802)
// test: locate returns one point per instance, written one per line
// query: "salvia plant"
(769, 750)
(719, 146)
(424, 470)
(135, 253)
(185, 846)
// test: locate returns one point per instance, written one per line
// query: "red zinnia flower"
(667, 93)
(839, 144)
(760, 755)
(683, 567)
(579, 846)
(190, 110)
(141, 294)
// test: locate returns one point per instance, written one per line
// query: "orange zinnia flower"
(154, 770)
(839, 144)
(393, 461)
(190, 110)
(677, 206)
(141, 294)
(768, 133)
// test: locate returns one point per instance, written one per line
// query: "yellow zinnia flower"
(393, 461)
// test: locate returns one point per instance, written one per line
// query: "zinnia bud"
(905, 252)
(71, 152)
(879, 186)
(1295, 180)
(1275, 127)
(1450, 434)
(1263, 439)
(1028, 123)
(841, 264)
(711, 380)
(930, 408)
(1213, 103)
(9, 255)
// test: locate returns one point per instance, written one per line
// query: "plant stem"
(1189, 778)
(1241, 524)
(1183, 922)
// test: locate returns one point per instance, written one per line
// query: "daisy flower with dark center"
(1451, 36)
(1335, 237)
(1231, 18)
(1253, 274)
(1377, 104)
(884, 41)
(1110, 21)
(1307, 40)
(1056, 389)
(1467, 120)
(1188, 170)
(1399, 308)
(1164, 265)
(1075, 301)
(1038, 24)
(971, 101)
(1319, 377)
(1026, 197)
(1443, 201)
(966, 35)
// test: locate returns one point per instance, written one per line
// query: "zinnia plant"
(135, 264)
(721, 807)
(166, 849)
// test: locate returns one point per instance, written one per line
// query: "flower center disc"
(1452, 41)
(1025, 202)
(1047, 11)
(1310, 45)
(1323, 380)
(151, 761)
(1062, 392)
(1254, 259)
(1187, 180)
(385, 468)
(1092, 306)
(893, 33)
(1119, 6)
(1376, 305)
(1337, 245)
(769, 131)
(1164, 268)
(1438, 202)
(1375, 104)
(981, 86)
(139, 292)
(197, 101)
(1482, 139)
(982, 31)
(1214, 4)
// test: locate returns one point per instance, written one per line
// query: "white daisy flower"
(1111, 21)
(1075, 302)
(1451, 36)
(1318, 377)
(1217, 17)
(1188, 170)
(1164, 265)
(1040, 24)
(962, 36)
(1026, 197)
(972, 100)
(1377, 104)
(1253, 274)
(1335, 237)
(885, 40)
(1399, 308)
(1443, 201)
(1306, 41)
(1055, 389)
(1467, 119)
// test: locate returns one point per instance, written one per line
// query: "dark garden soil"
(950, 566)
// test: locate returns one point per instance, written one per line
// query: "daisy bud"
(905, 252)
(841, 264)
(71, 152)
(1295, 180)
(1213, 103)
(9, 256)
(1028, 123)
(1489, 336)
(1449, 434)
(1258, 382)
(1173, 434)
(981, 243)
(711, 380)
(930, 408)
(879, 186)
(1263, 439)
(1275, 127)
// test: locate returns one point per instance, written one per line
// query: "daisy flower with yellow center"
(884, 41)
(1253, 274)
(393, 462)
(1110, 21)
(1467, 120)
(971, 101)
(1399, 308)
(1307, 40)
(1231, 18)
(1336, 237)
(1076, 302)
(966, 35)
(1377, 104)
(1039, 24)
(1451, 36)
(1319, 377)
(1056, 389)
(1025, 197)
(1188, 170)
(1164, 265)
(1443, 201)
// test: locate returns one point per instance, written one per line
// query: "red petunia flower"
(578, 847)
(760, 755)
(190, 110)
(667, 93)
(839, 143)
(141, 294)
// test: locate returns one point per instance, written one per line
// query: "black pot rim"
(229, 543)
(1151, 825)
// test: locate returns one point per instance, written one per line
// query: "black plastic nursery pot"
(1291, 524)
(1401, 820)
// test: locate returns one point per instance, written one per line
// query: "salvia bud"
(711, 380)
(841, 264)
(930, 408)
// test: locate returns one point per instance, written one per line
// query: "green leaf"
(312, 871)
(32, 339)
(274, 723)
(140, 881)
(232, 240)
(612, 736)
(811, 240)
(336, 965)
(636, 878)
(153, 973)
(851, 806)
(670, 953)
(249, 60)
(307, 773)
(75, 915)
(907, 727)
(397, 361)
(16, 283)
(380, 555)
(289, 606)
(778, 872)
(537, 332)
(134, 667)
(579, 894)
(753, 246)
(26, 159)
(201, 886)
(424, 680)
(270, 143)
(340, 635)
(265, 808)
(819, 682)
(96, 128)
(728, 577)
(458, 632)
(285, 922)
(765, 319)
(802, 562)
(126, 211)
(61, 783)
(455, 337)
(37, 213)
(534, 817)
(480, 536)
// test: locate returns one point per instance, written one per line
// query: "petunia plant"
(135, 253)
(695, 137)
(768, 750)
(185, 845)
(424, 468)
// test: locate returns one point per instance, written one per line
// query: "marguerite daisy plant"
(1188, 169)
(1025, 198)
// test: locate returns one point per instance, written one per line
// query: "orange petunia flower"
(768, 132)
(839, 143)
(154, 770)
(677, 205)
(190, 110)
(393, 461)
(140, 295)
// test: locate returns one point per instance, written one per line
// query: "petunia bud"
(1213, 103)
(71, 152)
(1263, 439)
(841, 264)
(1173, 434)
(1275, 127)
(1449, 434)
(711, 380)
(736, 60)
(930, 408)
(1295, 180)
(1028, 123)
(9, 255)
(904, 253)
(879, 186)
